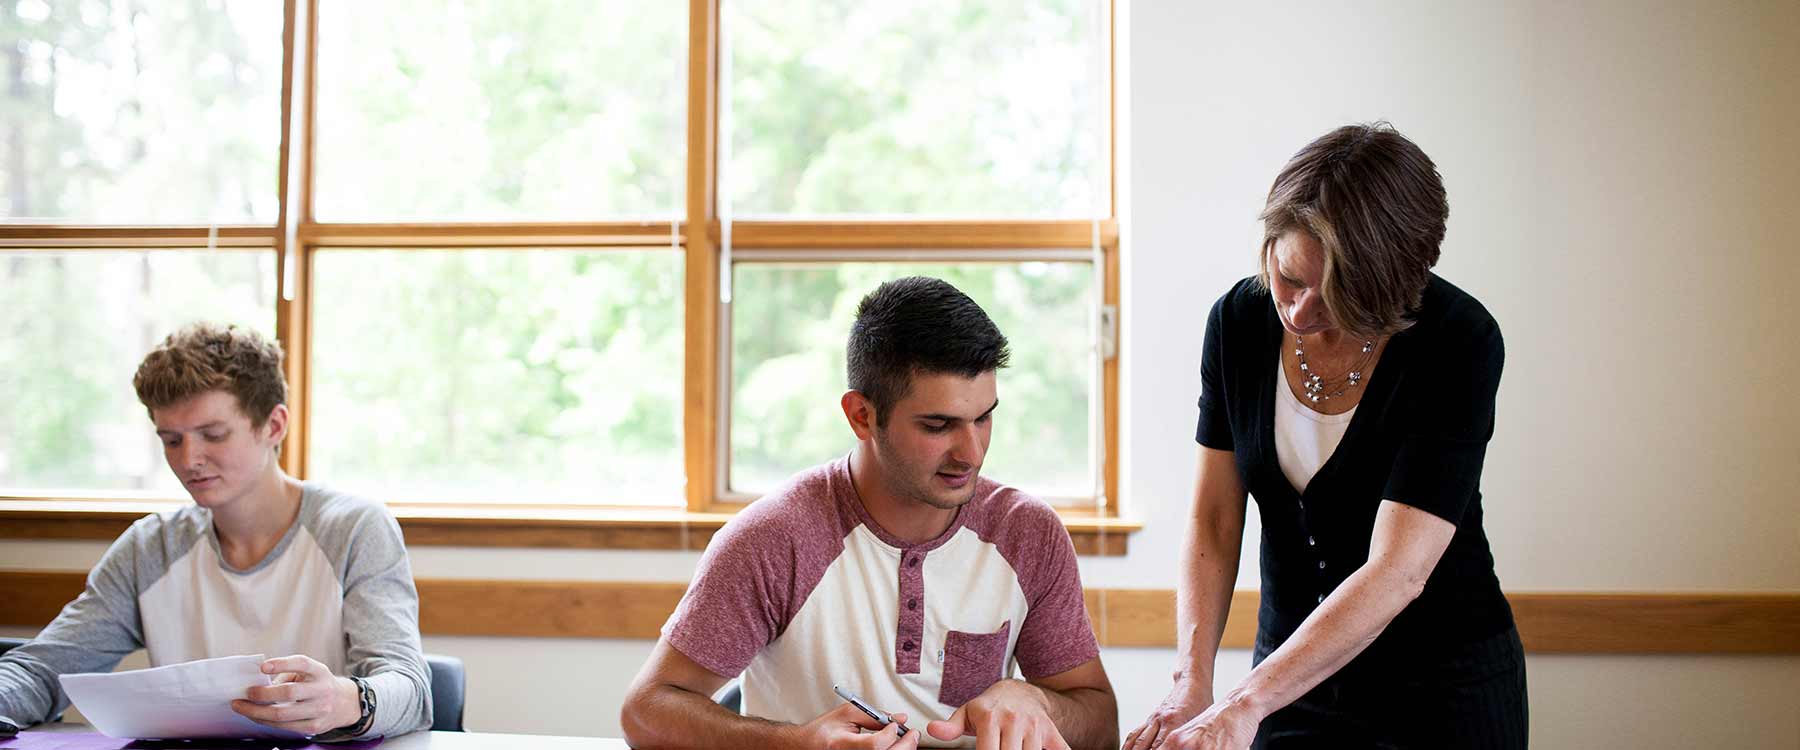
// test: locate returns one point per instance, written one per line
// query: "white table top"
(431, 740)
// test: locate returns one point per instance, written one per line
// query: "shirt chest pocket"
(973, 662)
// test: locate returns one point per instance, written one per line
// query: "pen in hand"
(862, 705)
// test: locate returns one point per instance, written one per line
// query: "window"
(561, 110)
(968, 108)
(72, 331)
(551, 257)
(789, 322)
(991, 113)
(503, 376)
(155, 113)
(125, 113)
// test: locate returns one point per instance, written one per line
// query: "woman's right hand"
(1184, 702)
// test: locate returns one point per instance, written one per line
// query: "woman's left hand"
(1223, 726)
(304, 698)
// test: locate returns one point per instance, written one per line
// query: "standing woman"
(1351, 391)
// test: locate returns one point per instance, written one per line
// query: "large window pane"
(466, 111)
(74, 327)
(918, 107)
(125, 111)
(499, 375)
(789, 323)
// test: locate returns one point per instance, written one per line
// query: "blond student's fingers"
(283, 692)
(315, 725)
(298, 664)
(279, 712)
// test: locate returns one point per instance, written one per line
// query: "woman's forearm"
(1210, 547)
(1342, 627)
(1209, 563)
(1404, 548)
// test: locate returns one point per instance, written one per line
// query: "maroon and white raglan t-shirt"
(803, 590)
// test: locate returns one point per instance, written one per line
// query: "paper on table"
(176, 701)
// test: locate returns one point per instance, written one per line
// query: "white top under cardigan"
(1304, 439)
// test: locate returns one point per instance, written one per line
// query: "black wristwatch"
(366, 697)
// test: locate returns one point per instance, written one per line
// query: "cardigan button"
(1310, 542)
(1321, 565)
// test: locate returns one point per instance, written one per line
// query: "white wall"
(1620, 174)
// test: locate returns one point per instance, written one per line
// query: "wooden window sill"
(486, 525)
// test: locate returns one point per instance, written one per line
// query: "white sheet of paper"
(175, 701)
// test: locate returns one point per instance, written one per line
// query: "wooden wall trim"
(1549, 623)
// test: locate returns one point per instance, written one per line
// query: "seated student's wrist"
(346, 719)
(794, 736)
(1011, 691)
(346, 703)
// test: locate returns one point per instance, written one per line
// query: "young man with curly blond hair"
(260, 563)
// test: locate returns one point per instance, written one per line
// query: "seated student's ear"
(274, 428)
(860, 412)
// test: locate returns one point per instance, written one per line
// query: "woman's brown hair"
(1376, 203)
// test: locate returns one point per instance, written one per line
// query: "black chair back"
(447, 687)
(733, 697)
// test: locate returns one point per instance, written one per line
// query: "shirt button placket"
(1313, 544)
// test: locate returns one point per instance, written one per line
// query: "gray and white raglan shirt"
(338, 587)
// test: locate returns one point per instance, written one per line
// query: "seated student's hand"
(841, 729)
(305, 698)
(1009, 714)
(1184, 702)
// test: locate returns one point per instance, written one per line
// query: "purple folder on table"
(40, 740)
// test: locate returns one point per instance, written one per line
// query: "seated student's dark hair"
(918, 325)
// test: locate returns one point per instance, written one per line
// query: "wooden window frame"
(296, 235)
